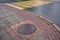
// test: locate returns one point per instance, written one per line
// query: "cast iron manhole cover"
(26, 29)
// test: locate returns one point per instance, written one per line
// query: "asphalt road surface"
(50, 11)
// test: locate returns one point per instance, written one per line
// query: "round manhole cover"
(26, 29)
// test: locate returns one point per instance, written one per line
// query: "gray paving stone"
(14, 16)
(3, 32)
(6, 37)
(8, 18)
(2, 25)
(2, 15)
(8, 13)
(38, 36)
(12, 21)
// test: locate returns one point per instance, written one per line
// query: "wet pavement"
(11, 19)
(50, 11)
(3, 34)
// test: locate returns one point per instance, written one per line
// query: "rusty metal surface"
(11, 19)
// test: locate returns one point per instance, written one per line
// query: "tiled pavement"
(11, 19)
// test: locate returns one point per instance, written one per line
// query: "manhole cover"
(26, 29)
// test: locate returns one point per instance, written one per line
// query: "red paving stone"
(45, 28)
